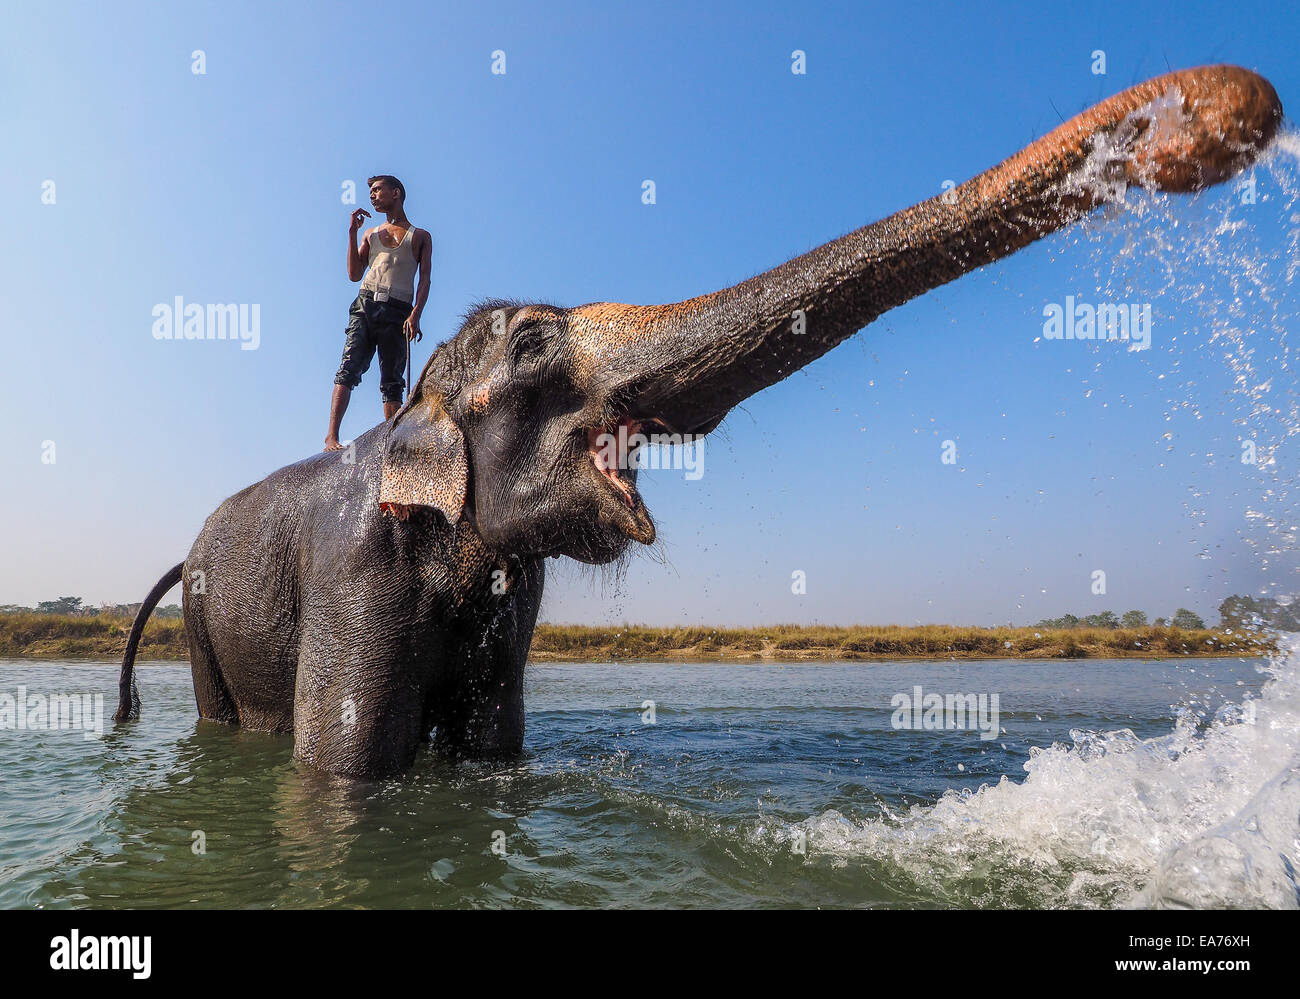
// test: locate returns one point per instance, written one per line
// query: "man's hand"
(358, 258)
(412, 328)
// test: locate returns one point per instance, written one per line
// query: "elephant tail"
(128, 705)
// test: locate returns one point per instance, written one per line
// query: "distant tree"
(1161, 623)
(64, 605)
(1286, 616)
(14, 609)
(1106, 619)
(1243, 611)
(1134, 619)
(1183, 618)
(170, 611)
(1237, 611)
(1064, 621)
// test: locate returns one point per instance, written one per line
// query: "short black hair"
(390, 180)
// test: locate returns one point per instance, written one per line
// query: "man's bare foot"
(338, 406)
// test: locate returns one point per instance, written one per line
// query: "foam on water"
(1207, 816)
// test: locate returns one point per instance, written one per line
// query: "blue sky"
(225, 187)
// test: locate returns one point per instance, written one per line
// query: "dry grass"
(49, 636)
(787, 641)
(55, 636)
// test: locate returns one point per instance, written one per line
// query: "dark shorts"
(372, 326)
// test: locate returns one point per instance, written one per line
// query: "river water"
(1109, 783)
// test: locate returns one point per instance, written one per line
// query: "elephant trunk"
(687, 364)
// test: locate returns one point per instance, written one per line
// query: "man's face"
(383, 197)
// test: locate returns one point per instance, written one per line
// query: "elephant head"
(505, 423)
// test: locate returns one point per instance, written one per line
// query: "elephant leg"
(243, 680)
(360, 711)
(484, 719)
(477, 706)
(210, 691)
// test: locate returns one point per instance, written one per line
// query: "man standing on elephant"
(386, 313)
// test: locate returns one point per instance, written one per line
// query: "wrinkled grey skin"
(365, 600)
(358, 632)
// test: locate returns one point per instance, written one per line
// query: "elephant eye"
(530, 340)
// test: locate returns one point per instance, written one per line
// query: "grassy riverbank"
(59, 636)
(567, 643)
(53, 636)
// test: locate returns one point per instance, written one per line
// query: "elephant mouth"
(603, 449)
(612, 452)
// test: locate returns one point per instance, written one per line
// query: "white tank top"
(392, 268)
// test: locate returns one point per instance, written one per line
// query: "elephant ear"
(424, 461)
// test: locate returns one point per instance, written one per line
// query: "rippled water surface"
(1114, 783)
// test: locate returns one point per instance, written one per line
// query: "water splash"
(1206, 816)
(1209, 814)
(1220, 271)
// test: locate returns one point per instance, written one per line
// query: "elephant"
(375, 599)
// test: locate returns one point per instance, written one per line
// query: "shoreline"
(721, 659)
(47, 637)
(836, 656)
